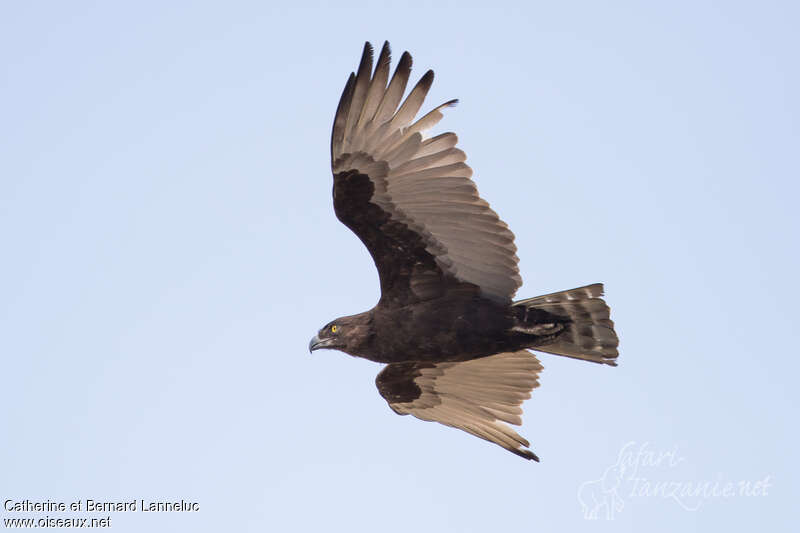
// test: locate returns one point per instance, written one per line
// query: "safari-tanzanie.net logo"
(643, 471)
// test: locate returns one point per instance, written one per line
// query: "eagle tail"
(588, 331)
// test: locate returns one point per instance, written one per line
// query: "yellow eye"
(334, 328)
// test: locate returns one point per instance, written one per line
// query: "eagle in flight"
(455, 341)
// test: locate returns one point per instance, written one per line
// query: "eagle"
(455, 342)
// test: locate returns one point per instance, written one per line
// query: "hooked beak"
(316, 343)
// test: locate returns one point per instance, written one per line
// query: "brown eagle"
(456, 342)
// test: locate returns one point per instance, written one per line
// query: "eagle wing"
(410, 199)
(480, 396)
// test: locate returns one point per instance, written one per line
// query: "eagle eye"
(334, 328)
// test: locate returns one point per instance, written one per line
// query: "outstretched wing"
(409, 199)
(480, 396)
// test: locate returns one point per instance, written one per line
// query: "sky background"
(169, 247)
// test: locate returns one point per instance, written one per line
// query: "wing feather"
(394, 93)
(359, 93)
(436, 144)
(479, 396)
(377, 87)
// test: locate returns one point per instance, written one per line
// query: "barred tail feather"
(590, 333)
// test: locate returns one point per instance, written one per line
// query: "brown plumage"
(455, 341)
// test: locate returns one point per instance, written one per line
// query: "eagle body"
(444, 329)
(454, 340)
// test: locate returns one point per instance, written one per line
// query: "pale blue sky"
(169, 247)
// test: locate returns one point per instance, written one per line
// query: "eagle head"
(349, 334)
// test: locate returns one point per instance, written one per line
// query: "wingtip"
(385, 57)
(426, 80)
(526, 454)
(365, 65)
(406, 62)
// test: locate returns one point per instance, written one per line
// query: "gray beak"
(314, 343)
